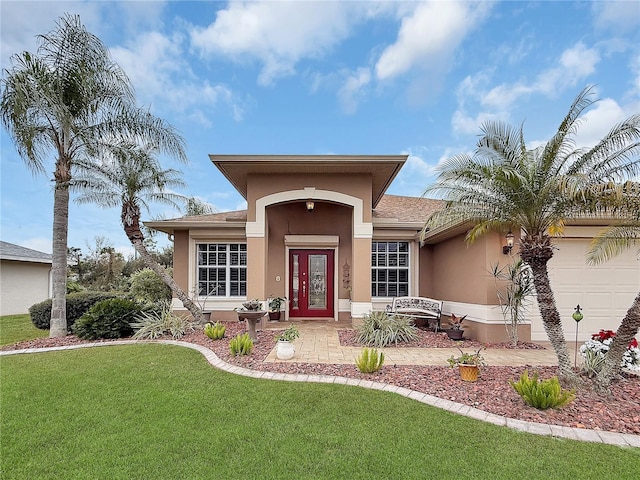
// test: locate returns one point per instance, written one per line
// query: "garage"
(604, 292)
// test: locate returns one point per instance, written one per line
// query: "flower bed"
(601, 342)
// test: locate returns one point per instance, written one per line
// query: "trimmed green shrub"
(241, 345)
(158, 322)
(77, 305)
(542, 394)
(108, 319)
(215, 331)
(147, 285)
(370, 360)
(379, 329)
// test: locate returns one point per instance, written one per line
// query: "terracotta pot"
(274, 316)
(469, 373)
(285, 350)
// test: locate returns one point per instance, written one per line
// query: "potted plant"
(468, 364)
(455, 332)
(285, 350)
(275, 303)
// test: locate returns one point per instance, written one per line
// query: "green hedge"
(77, 305)
(110, 318)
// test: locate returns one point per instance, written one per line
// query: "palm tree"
(624, 201)
(67, 100)
(130, 177)
(195, 206)
(504, 186)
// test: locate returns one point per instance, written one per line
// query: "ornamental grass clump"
(370, 361)
(542, 394)
(215, 331)
(379, 329)
(241, 345)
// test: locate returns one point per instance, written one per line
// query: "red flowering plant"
(593, 351)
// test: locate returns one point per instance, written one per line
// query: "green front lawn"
(16, 328)
(161, 411)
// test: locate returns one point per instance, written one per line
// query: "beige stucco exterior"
(350, 211)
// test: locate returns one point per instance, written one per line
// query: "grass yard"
(16, 328)
(160, 411)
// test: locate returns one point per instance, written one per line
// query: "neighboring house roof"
(10, 251)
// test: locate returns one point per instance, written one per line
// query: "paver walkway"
(319, 343)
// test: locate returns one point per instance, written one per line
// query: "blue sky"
(330, 77)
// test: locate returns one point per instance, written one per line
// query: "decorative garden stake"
(577, 316)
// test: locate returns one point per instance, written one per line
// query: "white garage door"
(604, 292)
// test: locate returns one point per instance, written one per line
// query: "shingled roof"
(393, 207)
(406, 209)
(10, 251)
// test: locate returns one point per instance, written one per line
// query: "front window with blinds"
(222, 269)
(389, 269)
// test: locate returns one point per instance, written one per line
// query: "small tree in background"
(147, 285)
(514, 287)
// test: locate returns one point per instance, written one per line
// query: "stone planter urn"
(285, 350)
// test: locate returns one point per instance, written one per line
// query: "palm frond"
(612, 241)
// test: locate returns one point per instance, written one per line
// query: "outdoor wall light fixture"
(310, 206)
(507, 248)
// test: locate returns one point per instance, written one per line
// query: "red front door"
(311, 283)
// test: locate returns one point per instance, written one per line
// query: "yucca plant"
(157, 323)
(379, 329)
(241, 345)
(542, 394)
(370, 361)
(215, 331)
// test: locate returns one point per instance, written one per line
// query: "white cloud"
(463, 123)
(619, 17)
(352, 89)
(22, 21)
(429, 36)
(156, 66)
(276, 34)
(574, 65)
(598, 121)
(503, 96)
(40, 244)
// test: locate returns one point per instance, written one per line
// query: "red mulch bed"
(492, 393)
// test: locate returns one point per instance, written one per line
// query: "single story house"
(25, 278)
(321, 231)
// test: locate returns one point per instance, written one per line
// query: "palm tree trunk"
(627, 330)
(131, 220)
(168, 280)
(58, 325)
(537, 254)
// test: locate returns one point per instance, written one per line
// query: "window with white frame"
(389, 269)
(222, 269)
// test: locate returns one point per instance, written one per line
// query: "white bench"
(417, 307)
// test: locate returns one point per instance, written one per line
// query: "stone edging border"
(581, 434)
